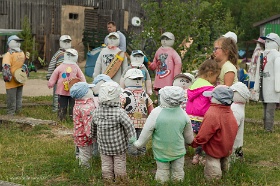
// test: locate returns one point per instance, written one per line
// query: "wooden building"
(269, 25)
(84, 20)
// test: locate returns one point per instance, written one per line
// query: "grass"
(40, 156)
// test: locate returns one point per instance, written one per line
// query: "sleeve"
(188, 131)
(54, 77)
(277, 74)
(6, 64)
(148, 128)
(257, 76)
(93, 126)
(124, 65)
(52, 66)
(98, 67)
(122, 45)
(122, 99)
(81, 75)
(127, 124)
(87, 120)
(154, 64)
(106, 40)
(177, 63)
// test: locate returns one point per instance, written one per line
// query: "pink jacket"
(167, 64)
(198, 104)
(63, 73)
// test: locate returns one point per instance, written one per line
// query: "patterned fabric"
(56, 60)
(7, 75)
(136, 103)
(82, 118)
(113, 128)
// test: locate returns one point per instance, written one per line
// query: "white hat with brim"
(133, 74)
(273, 37)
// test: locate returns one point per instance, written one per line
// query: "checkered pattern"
(113, 128)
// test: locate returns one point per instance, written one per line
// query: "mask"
(15, 45)
(269, 44)
(138, 82)
(136, 61)
(166, 42)
(70, 58)
(65, 44)
(113, 41)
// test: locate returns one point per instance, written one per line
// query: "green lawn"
(40, 156)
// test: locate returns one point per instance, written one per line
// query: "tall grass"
(40, 156)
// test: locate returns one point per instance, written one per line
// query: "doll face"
(137, 82)
(65, 44)
(136, 60)
(182, 82)
(113, 41)
(269, 44)
(167, 42)
(13, 44)
(70, 58)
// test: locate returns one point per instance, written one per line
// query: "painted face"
(138, 82)
(269, 44)
(15, 45)
(136, 60)
(70, 58)
(166, 42)
(182, 82)
(113, 41)
(65, 44)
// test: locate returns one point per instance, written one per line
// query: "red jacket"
(218, 131)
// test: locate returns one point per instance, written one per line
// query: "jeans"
(63, 103)
(14, 100)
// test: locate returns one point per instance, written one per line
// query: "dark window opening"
(73, 16)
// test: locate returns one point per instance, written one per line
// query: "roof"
(8, 32)
(266, 20)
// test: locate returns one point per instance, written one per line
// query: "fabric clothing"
(104, 59)
(136, 102)
(15, 60)
(134, 151)
(238, 110)
(63, 74)
(113, 166)
(175, 168)
(198, 104)
(169, 133)
(167, 64)
(56, 60)
(55, 99)
(215, 166)
(254, 61)
(269, 112)
(14, 100)
(227, 67)
(113, 128)
(217, 132)
(65, 102)
(122, 38)
(82, 118)
(85, 154)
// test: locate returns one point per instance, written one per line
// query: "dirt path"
(32, 88)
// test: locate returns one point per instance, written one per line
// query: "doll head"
(167, 39)
(81, 90)
(113, 39)
(70, 56)
(98, 81)
(137, 58)
(183, 80)
(65, 41)
(171, 96)
(241, 92)
(109, 92)
(133, 78)
(221, 94)
(14, 42)
(272, 41)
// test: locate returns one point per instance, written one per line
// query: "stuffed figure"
(169, 134)
(184, 81)
(241, 94)
(62, 75)
(82, 118)
(111, 60)
(137, 60)
(113, 129)
(267, 80)
(12, 61)
(167, 63)
(57, 59)
(136, 103)
(217, 132)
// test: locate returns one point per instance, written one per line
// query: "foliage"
(29, 42)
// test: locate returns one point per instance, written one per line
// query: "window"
(73, 16)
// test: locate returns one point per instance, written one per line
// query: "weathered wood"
(24, 120)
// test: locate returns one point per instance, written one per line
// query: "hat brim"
(207, 93)
(182, 76)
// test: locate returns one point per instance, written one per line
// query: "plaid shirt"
(113, 128)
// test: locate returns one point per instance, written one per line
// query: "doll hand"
(132, 140)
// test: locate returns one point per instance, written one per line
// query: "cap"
(114, 34)
(79, 90)
(133, 73)
(172, 95)
(71, 51)
(242, 89)
(169, 35)
(273, 37)
(109, 91)
(188, 76)
(222, 93)
(134, 52)
(259, 40)
(100, 77)
(231, 35)
(65, 37)
(14, 37)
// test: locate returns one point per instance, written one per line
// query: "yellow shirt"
(15, 60)
(227, 67)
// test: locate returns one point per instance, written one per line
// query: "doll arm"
(277, 74)
(148, 129)
(154, 64)
(127, 125)
(149, 87)
(188, 131)
(97, 68)
(122, 82)
(150, 105)
(257, 76)
(177, 64)
(53, 78)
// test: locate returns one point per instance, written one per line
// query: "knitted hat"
(242, 89)
(79, 90)
(172, 95)
(222, 93)
(109, 91)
